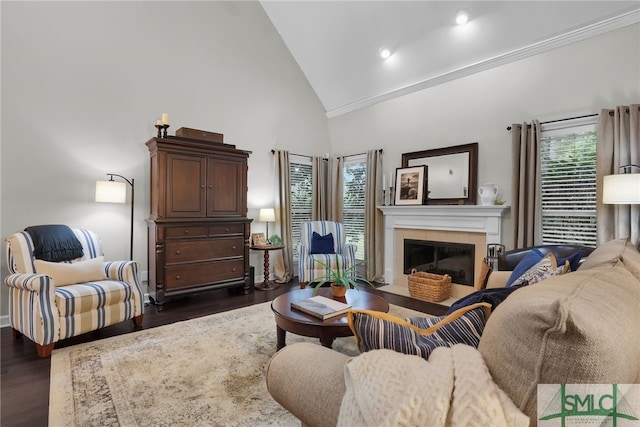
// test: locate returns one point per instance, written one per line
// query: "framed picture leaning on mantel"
(411, 185)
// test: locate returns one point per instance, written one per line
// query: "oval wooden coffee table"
(297, 322)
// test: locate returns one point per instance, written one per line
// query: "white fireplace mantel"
(463, 218)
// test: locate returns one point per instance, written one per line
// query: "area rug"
(208, 371)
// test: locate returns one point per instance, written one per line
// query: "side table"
(267, 284)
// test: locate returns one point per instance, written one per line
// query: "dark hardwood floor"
(24, 376)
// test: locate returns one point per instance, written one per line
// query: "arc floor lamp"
(116, 192)
(622, 188)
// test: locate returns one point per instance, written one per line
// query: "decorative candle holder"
(384, 197)
(162, 130)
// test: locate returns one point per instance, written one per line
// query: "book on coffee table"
(321, 307)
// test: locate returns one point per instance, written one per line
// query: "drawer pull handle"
(233, 269)
(186, 231)
(233, 247)
(210, 186)
(178, 277)
(226, 230)
(177, 252)
(202, 186)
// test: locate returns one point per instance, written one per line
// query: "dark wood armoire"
(198, 230)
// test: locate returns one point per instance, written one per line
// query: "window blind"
(568, 183)
(301, 195)
(354, 179)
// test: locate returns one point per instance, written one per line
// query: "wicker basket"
(429, 286)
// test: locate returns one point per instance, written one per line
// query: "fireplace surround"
(471, 224)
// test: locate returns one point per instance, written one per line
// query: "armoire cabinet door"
(186, 177)
(226, 187)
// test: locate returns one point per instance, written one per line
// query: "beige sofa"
(581, 327)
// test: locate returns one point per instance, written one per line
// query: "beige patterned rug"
(202, 372)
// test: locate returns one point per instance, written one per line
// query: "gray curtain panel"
(618, 144)
(334, 194)
(283, 259)
(319, 173)
(525, 194)
(373, 218)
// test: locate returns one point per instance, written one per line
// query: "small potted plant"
(340, 279)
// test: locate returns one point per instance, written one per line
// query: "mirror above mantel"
(452, 173)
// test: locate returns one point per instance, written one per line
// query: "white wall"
(575, 80)
(83, 84)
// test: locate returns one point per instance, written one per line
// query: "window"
(568, 182)
(301, 194)
(354, 177)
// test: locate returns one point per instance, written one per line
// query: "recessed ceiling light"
(462, 17)
(385, 52)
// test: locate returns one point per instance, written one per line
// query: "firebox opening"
(454, 259)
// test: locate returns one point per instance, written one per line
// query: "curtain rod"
(611, 113)
(563, 120)
(293, 154)
(359, 154)
(304, 155)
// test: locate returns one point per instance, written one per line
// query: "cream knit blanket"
(452, 388)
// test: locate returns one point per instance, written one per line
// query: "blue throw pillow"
(574, 260)
(322, 244)
(531, 259)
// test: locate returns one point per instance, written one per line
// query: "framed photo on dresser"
(411, 185)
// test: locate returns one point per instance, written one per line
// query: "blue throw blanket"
(54, 243)
(493, 296)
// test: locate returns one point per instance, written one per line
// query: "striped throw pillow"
(419, 335)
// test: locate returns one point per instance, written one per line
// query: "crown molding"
(583, 33)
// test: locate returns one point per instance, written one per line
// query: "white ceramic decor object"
(488, 194)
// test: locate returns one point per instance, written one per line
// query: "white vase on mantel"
(488, 194)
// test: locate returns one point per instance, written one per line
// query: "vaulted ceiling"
(337, 43)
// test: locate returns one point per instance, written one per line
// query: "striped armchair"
(308, 269)
(47, 312)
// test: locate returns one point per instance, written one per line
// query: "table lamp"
(267, 215)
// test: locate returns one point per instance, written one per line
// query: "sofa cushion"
(612, 252)
(573, 328)
(92, 297)
(419, 335)
(64, 274)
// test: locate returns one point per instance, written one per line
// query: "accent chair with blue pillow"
(324, 241)
(50, 300)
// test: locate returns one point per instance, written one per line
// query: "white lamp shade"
(111, 192)
(267, 215)
(621, 189)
